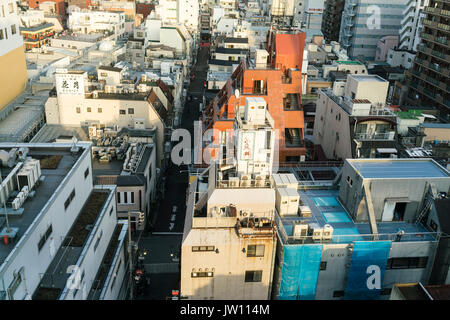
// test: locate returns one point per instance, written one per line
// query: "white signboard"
(247, 145)
(69, 83)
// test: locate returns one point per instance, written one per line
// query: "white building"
(33, 18)
(409, 33)
(85, 21)
(185, 12)
(121, 106)
(49, 203)
(400, 58)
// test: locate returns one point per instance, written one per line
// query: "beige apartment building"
(352, 120)
(229, 239)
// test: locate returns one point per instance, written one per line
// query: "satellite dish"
(236, 93)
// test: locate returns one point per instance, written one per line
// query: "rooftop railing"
(375, 136)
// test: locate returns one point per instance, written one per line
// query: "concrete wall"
(327, 125)
(92, 255)
(382, 189)
(229, 267)
(374, 91)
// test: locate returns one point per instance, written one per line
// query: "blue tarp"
(365, 254)
(300, 270)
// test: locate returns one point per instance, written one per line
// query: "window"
(255, 250)
(125, 197)
(1, 35)
(130, 110)
(349, 181)
(6, 33)
(69, 199)
(99, 110)
(253, 276)
(338, 294)
(13, 29)
(89, 109)
(202, 248)
(122, 112)
(323, 265)
(45, 237)
(202, 274)
(86, 173)
(111, 211)
(11, 7)
(407, 263)
(78, 110)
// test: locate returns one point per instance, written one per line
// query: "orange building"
(278, 79)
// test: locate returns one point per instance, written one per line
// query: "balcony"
(440, 55)
(292, 102)
(429, 93)
(294, 138)
(375, 136)
(432, 80)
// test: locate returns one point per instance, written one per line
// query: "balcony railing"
(375, 136)
(429, 93)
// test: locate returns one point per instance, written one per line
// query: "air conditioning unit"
(260, 180)
(234, 182)
(299, 229)
(25, 191)
(327, 232)
(21, 197)
(16, 204)
(317, 232)
(305, 211)
(246, 180)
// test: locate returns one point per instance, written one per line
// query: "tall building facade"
(12, 56)
(229, 238)
(412, 24)
(331, 20)
(428, 78)
(364, 22)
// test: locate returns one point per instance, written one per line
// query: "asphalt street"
(164, 242)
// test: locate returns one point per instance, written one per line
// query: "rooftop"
(34, 206)
(435, 125)
(400, 168)
(366, 78)
(326, 208)
(72, 248)
(91, 37)
(37, 28)
(19, 122)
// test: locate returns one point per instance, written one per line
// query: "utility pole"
(130, 256)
